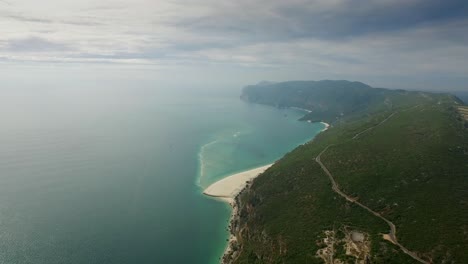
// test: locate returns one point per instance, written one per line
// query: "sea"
(116, 175)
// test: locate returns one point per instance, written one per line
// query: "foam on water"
(214, 157)
(201, 162)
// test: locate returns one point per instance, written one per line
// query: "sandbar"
(227, 188)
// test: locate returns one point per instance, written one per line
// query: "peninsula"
(385, 184)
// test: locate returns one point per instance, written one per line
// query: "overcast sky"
(387, 43)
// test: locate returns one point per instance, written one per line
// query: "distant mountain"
(262, 83)
(330, 100)
(463, 95)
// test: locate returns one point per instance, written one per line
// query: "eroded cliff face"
(253, 244)
(243, 226)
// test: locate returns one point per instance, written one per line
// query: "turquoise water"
(115, 176)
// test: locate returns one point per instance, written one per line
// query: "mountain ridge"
(332, 100)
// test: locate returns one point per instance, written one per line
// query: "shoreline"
(327, 126)
(228, 189)
(301, 109)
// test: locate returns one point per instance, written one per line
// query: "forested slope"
(411, 169)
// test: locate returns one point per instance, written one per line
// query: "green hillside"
(407, 163)
(333, 101)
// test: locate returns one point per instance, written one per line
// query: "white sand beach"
(326, 126)
(301, 109)
(227, 188)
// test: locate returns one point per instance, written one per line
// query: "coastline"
(327, 126)
(228, 190)
(229, 187)
(301, 109)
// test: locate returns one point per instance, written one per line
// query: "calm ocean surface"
(116, 176)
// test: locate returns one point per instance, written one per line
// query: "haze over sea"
(115, 175)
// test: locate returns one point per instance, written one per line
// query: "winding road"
(336, 188)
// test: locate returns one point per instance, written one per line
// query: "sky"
(409, 44)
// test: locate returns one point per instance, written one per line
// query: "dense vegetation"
(412, 169)
(333, 101)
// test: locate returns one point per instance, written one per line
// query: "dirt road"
(392, 237)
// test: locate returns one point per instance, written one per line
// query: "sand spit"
(326, 126)
(228, 188)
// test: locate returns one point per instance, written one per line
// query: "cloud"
(338, 19)
(80, 21)
(23, 18)
(35, 44)
(363, 37)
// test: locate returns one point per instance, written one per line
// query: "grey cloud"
(354, 37)
(360, 17)
(277, 20)
(78, 21)
(123, 55)
(34, 44)
(82, 22)
(23, 18)
(107, 7)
